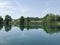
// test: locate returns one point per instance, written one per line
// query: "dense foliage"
(22, 20)
(1, 20)
(51, 19)
(8, 19)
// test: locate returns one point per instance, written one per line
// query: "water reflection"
(1, 26)
(21, 28)
(51, 29)
(48, 29)
(8, 27)
(28, 26)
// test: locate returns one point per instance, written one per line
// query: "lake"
(33, 35)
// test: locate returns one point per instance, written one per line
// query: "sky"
(28, 8)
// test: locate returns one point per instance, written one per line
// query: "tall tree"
(28, 20)
(22, 21)
(8, 19)
(1, 20)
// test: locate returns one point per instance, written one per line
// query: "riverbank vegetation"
(49, 19)
(50, 23)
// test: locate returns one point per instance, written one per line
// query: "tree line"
(8, 20)
(51, 19)
(48, 19)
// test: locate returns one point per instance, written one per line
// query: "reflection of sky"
(31, 37)
(39, 8)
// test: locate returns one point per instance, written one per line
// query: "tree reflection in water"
(21, 28)
(51, 29)
(48, 29)
(28, 26)
(8, 27)
(1, 26)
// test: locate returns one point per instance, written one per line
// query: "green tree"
(22, 21)
(8, 19)
(28, 20)
(1, 20)
(50, 19)
(58, 18)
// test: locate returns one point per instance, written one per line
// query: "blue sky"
(31, 8)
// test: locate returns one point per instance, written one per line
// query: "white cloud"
(21, 8)
(4, 4)
(23, 11)
(12, 8)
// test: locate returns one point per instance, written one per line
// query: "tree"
(28, 20)
(22, 21)
(58, 18)
(8, 19)
(50, 19)
(1, 20)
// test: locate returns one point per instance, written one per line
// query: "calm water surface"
(33, 36)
